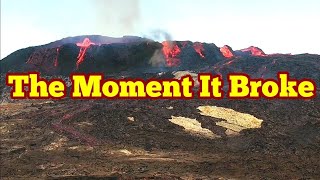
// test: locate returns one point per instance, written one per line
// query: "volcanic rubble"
(157, 139)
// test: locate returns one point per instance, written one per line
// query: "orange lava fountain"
(170, 52)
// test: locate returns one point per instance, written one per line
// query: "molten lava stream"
(254, 51)
(226, 51)
(60, 126)
(56, 62)
(170, 52)
(228, 63)
(198, 47)
(83, 49)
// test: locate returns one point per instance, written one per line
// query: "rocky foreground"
(169, 139)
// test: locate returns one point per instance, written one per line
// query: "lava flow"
(83, 49)
(171, 51)
(254, 51)
(198, 47)
(227, 52)
(56, 63)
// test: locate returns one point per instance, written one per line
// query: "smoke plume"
(159, 35)
(158, 59)
(117, 17)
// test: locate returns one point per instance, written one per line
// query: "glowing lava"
(227, 52)
(254, 51)
(83, 49)
(170, 52)
(56, 60)
(198, 47)
(229, 62)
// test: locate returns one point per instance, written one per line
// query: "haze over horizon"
(275, 26)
